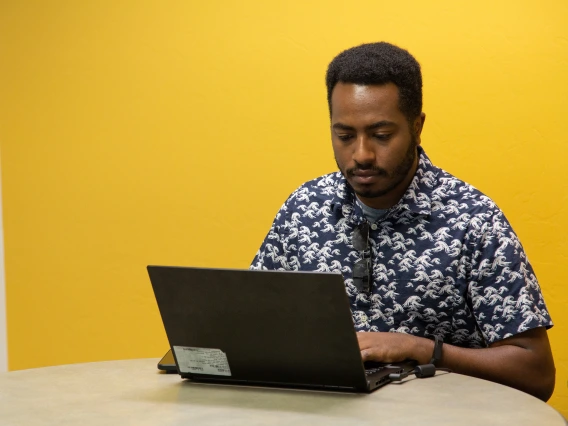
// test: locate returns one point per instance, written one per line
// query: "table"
(133, 392)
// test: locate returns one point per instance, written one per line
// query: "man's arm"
(523, 361)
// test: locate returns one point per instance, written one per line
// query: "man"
(428, 260)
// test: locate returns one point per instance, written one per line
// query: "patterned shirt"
(445, 260)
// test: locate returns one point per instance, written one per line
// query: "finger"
(371, 354)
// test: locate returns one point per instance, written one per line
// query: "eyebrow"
(373, 126)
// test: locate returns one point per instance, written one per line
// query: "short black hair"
(379, 63)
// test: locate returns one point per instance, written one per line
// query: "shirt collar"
(416, 201)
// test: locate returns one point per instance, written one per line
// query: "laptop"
(271, 328)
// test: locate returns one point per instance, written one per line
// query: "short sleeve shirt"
(445, 260)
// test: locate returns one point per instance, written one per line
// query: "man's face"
(373, 143)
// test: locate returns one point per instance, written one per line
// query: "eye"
(382, 136)
(345, 138)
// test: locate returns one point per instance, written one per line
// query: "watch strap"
(437, 354)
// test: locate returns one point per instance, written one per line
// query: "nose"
(364, 152)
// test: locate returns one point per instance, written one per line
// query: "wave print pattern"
(446, 261)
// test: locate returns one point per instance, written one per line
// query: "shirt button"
(374, 226)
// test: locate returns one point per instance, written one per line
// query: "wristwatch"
(437, 355)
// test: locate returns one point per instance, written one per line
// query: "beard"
(395, 177)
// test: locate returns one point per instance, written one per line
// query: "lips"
(365, 176)
(365, 173)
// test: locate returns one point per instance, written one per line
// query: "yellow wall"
(169, 132)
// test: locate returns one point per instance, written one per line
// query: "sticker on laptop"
(202, 361)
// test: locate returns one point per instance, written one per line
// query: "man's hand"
(523, 361)
(394, 347)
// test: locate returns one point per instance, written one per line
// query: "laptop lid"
(266, 327)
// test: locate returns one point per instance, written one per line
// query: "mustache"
(377, 170)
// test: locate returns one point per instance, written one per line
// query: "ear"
(418, 126)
